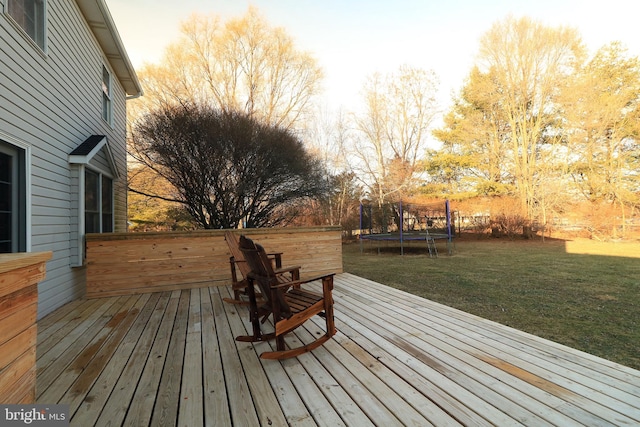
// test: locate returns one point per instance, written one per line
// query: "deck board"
(216, 409)
(170, 358)
(138, 386)
(548, 372)
(125, 367)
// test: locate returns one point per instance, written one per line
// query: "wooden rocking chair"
(239, 285)
(289, 304)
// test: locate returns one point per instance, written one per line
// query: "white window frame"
(107, 102)
(80, 163)
(26, 148)
(39, 38)
(101, 176)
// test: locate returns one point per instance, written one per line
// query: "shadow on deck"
(170, 358)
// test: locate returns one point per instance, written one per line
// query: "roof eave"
(101, 23)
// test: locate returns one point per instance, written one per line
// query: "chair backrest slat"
(262, 272)
(234, 248)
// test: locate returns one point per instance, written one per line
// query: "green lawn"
(589, 302)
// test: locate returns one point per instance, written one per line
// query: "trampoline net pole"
(401, 226)
(448, 221)
(360, 234)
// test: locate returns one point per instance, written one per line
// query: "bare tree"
(152, 213)
(242, 64)
(226, 168)
(239, 65)
(327, 134)
(393, 129)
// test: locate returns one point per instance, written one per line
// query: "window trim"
(80, 160)
(107, 94)
(79, 259)
(14, 211)
(26, 179)
(101, 176)
(42, 23)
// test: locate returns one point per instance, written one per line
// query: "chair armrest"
(300, 282)
(276, 257)
(287, 269)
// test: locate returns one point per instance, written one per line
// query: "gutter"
(99, 19)
(137, 95)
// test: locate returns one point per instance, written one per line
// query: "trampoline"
(407, 223)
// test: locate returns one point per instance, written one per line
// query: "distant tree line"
(538, 122)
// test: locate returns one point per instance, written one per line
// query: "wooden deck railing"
(128, 263)
(19, 277)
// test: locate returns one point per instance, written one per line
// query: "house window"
(30, 15)
(12, 200)
(106, 95)
(98, 202)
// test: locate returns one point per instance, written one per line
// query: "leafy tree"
(393, 130)
(478, 155)
(225, 167)
(475, 153)
(603, 121)
(239, 65)
(529, 65)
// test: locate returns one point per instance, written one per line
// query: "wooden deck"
(170, 358)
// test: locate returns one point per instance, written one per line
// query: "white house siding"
(100, 161)
(51, 102)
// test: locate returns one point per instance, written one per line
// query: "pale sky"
(352, 39)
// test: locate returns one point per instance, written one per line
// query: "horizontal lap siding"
(121, 264)
(51, 103)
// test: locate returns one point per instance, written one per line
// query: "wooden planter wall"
(19, 277)
(126, 263)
